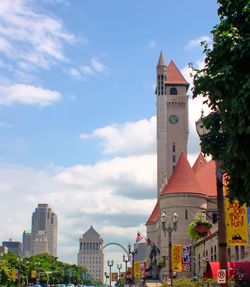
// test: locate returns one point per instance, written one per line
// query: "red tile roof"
(155, 214)
(183, 179)
(206, 176)
(200, 161)
(174, 76)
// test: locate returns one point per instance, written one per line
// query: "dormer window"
(173, 91)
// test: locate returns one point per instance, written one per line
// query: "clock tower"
(172, 118)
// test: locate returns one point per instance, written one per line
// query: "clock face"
(173, 119)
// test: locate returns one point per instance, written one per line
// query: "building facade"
(13, 247)
(91, 254)
(182, 189)
(44, 230)
(27, 243)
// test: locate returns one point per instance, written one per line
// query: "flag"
(139, 237)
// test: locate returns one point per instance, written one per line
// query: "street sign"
(221, 276)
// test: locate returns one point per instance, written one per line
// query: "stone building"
(91, 254)
(181, 189)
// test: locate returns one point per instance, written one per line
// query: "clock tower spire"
(172, 118)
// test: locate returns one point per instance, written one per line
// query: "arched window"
(173, 91)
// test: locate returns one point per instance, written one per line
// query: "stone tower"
(172, 118)
(91, 253)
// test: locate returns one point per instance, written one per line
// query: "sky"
(77, 110)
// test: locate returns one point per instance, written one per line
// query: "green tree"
(225, 83)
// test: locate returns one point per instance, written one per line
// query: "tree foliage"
(225, 83)
(48, 269)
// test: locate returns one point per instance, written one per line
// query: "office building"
(13, 246)
(44, 230)
(91, 254)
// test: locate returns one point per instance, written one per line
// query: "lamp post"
(222, 240)
(19, 261)
(110, 264)
(169, 229)
(132, 253)
(125, 260)
(119, 267)
(37, 272)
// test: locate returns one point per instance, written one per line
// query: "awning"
(236, 270)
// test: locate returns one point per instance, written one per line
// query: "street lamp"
(119, 267)
(222, 240)
(132, 253)
(169, 229)
(125, 260)
(110, 264)
(37, 264)
(19, 261)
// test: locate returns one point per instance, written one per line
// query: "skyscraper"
(27, 240)
(44, 230)
(91, 253)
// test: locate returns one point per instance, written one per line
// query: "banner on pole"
(137, 269)
(186, 258)
(114, 276)
(236, 223)
(177, 257)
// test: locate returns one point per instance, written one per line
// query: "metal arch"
(114, 243)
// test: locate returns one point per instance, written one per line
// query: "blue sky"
(77, 109)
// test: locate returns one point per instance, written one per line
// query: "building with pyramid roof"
(182, 189)
(91, 254)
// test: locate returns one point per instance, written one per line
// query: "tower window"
(173, 158)
(186, 214)
(173, 91)
(173, 147)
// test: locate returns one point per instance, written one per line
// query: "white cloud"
(28, 95)
(30, 36)
(81, 196)
(97, 65)
(5, 125)
(152, 44)
(195, 107)
(116, 196)
(84, 71)
(75, 73)
(129, 138)
(196, 42)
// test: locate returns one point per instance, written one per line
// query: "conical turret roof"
(200, 161)
(206, 176)
(161, 61)
(183, 179)
(155, 213)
